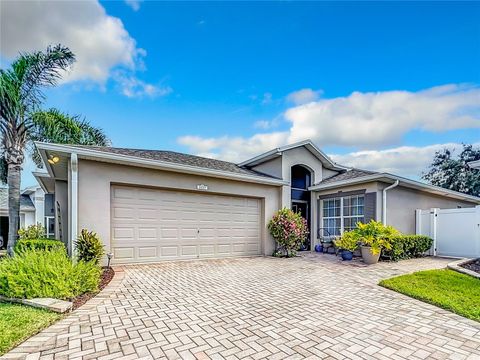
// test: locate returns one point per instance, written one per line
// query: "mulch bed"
(105, 278)
(472, 265)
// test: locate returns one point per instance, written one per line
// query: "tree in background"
(22, 121)
(453, 173)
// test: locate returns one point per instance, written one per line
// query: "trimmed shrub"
(89, 246)
(289, 229)
(407, 247)
(32, 232)
(51, 273)
(38, 244)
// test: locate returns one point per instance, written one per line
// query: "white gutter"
(384, 205)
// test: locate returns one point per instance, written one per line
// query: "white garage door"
(152, 225)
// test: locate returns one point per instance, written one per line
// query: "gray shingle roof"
(346, 175)
(25, 201)
(178, 158)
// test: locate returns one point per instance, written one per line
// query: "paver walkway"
(311, 307)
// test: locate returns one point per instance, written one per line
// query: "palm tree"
(22, 122)
(57, 127)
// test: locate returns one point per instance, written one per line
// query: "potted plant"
(348, 243)
(373, 238)
(289, 229)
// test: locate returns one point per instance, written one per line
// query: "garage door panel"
(169, 251)
(147, 252)
(147, 233)
(123, 233)
(169, 233)
(150, 225)
(121, 253)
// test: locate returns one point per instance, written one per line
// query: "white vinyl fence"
(455, 232)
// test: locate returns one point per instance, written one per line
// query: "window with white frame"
(342, 214)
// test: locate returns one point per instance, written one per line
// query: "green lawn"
(18, 323)
(444, 288)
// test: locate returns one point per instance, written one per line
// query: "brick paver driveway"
(315, 307)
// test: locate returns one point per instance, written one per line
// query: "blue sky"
(230, 80)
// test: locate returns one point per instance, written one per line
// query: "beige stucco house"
(150, 205)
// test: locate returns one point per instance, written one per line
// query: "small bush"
(375, 234)
(289, 229)
(38, 244)
(89, 246)
(51, 273)
(407, 247)
(32, 232)
(348, 241)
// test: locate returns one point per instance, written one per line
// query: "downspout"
(384, 205)
(73, 203)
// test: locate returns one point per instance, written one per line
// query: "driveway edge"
(30, 349)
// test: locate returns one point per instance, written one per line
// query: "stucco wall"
(95, 179)
(402, 203)
(272, 167)
(61, 196)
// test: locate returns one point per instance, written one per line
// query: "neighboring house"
(35, 207)
(149, 205)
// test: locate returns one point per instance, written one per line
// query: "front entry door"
(302, 208)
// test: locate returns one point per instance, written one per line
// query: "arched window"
(301, 177)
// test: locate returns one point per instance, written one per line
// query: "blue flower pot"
(347, 255)
(319, 248)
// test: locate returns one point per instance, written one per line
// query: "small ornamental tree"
(289, 229)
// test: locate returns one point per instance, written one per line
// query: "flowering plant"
(289, 229)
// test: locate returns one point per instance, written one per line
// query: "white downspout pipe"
(73, 203)
(384, 205)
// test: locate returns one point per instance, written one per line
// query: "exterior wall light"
(53, 159)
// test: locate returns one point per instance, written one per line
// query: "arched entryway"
(301, 178)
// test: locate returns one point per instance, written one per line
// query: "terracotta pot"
(368, 257)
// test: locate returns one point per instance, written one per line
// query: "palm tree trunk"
(13, 180)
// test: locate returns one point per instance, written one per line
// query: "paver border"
(456, 265)
(31, 347)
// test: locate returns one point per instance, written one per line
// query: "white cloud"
(303, 96)
(100, 41)
(364, 121)
(134, 4)
(267, 124)
(409, 161)
(132, 87)
(382, 118)
(233, 149)
(267, 98)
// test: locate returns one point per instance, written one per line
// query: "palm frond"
(56, 127)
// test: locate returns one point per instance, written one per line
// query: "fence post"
(433, 228)
(418, 222)
(477, 230)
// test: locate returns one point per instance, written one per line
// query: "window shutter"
(370, 206)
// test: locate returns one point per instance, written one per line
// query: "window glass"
(351, 213)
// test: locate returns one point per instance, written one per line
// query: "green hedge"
(38, 244)
(407, 247)
(35, 273)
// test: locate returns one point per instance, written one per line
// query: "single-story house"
(35, 207)
(150, 205)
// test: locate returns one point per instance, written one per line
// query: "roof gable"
(308, 144)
